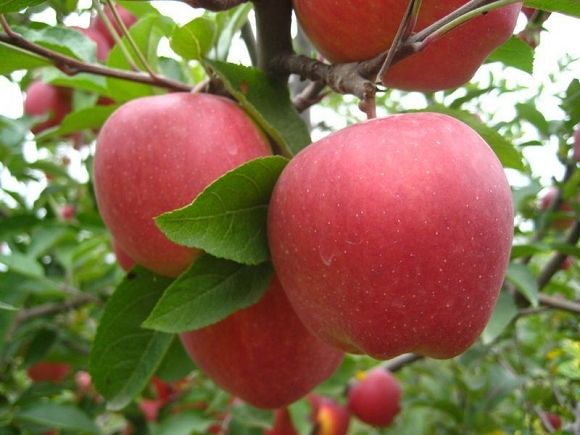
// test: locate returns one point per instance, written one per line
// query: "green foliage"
(64, 299)
(228, 219)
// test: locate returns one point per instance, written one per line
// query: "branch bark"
(74, 66)
(51, 309)
(215, 5)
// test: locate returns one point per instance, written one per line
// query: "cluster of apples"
(387, 237)
(55, 102)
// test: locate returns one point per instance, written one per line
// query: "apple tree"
(288, 217)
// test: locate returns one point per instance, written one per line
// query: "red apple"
(547, 198)
(576, 144)
(103, 45)
(554, 420)
(353, 31)
(123, 259)
(263, 354)
(150, 408)
(155, 154)
(127, 17)
(567, 263)
(393, 235)
(43, 99)
(329, 417)
(282, 423)
(68, 212)
(375, 398)
(47, 371)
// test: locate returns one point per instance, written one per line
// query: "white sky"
(561, 38)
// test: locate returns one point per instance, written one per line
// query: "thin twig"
(311, 95)
(125, 33)
(405, 29)
(555, 263)
(401, 361)
(53, 308)
(118, 41)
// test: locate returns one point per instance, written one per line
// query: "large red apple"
(123, 259)
(263, 354)
(155, 154)
(43, 99)
(353, 31)
(48, 371)
(375, 398)
(127, 17)
(393, 235)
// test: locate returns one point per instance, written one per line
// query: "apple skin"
(329, 417)
(156, 154)
(567, 263)
(123, 259)
(47, 371)
(282, 423)
(127, 17)
(43, 99)
(393, 235)
(355, 31)
(375, 399)
(263, 354)
(103, 45)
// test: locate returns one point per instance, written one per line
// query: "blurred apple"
(48, 371)
(127, 17)
(282, 423)
(547, 198)
(47, 100)
(328, 417)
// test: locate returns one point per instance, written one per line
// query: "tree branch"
(401, 361)
(273, 21)
(73, 66)
(558, 258)
(215, 5)
(51, 309)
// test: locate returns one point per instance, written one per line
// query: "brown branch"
(555, 263)
(53, 308)
(560, 303)
(311, 95)
(401, 361)
(215, 5)
(73, 66)
(273, 22)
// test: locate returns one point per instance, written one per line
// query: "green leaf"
(69, 42)
(507, 153)
(571, 102)
(268, 102)
(124, 356)
(515, 53)
(22, 264)
(176, 364)
(56, 416)
(520, 276)
(82, 81)
(146, 33)
(505, 311)
(528, 249)
(17, 5)
(569, 7)
(14, 59)
(184, 423)
(8, 307)
(300, 413)
(88, 118)
(228, 219)
(209, 291)
(229, 23)
(530, 113)
(195, 39)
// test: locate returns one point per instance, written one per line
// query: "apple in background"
(355, 31)
(567, 263)
(42, 99)
(375, 398)
(47, 371)
(328, 417)
(547, 198)
(156, 154)
(150, 408)
(282, 423)
(263, 354)
(393, 235)
(123, 259)
(103, 45)
(554, 420)
(68, 212)
(127, 17)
